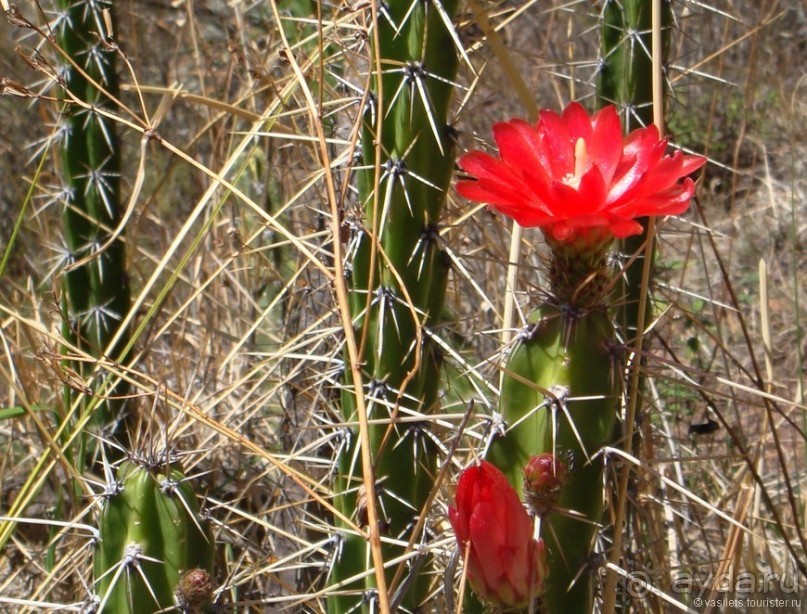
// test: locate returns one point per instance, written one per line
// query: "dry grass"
(238, 346)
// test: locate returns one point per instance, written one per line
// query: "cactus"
(559, 394)
(150, 532)
(584, 185)
(96, 291)
(397, 277)
(625, 79)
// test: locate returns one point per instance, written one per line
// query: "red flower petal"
(556, 144)
(577, 122)
(521, 150)
(607, 131)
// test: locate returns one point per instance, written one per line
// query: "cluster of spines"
(398, 272)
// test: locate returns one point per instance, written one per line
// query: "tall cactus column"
(575, 177)
(96, 293)
(625, 79)
(398, 277)
(635, 36)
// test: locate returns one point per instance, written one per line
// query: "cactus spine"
(559, 395)
(393, 254)
(96, 293)
(150, 531)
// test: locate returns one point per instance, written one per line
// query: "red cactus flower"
(577, 178)
(505, 565)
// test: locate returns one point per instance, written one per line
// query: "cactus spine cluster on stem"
(96, 290)
(398, 275)
(150, 533)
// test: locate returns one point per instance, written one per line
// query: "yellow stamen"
(580, 158)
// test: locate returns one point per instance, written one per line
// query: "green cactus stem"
(397, 278)
(150, 532)
(96, 294)
(560, 394)
(625, 79)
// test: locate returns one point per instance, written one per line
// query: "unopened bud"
(194, 590)
(544, 477)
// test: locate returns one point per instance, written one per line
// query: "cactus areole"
(150, 533)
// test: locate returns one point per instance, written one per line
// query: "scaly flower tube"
(505, 564)
(577, 178)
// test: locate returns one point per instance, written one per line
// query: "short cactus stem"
(150, 534)
(559, 400)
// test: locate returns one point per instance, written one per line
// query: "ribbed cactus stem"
(398, 275)
(150, 534)
(560, 395)
(626, 79)
(96, 292)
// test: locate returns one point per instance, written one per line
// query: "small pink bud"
(544, 477)
(506, 566)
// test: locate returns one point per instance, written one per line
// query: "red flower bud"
(577, 178)
(505, 564)
(544, 477)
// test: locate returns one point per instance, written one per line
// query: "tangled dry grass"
(238, 350)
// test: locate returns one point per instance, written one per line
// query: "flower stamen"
(580, 164)
(580, 158)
